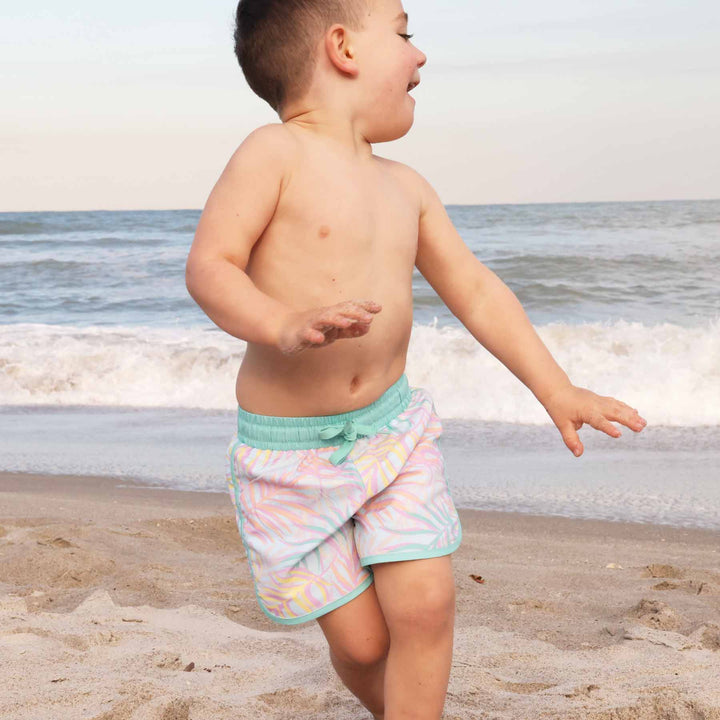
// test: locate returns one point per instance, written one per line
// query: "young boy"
(305, 250)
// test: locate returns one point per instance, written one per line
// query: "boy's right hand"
(321, 326)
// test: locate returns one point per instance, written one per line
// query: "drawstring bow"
(350, 432)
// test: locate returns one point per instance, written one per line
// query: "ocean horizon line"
(450, 204)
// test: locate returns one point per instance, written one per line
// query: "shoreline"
(125, 488)
(663, 476)
(116, 588)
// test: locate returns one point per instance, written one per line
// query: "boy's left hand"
(573, 406)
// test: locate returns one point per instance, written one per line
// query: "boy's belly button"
(354, 384)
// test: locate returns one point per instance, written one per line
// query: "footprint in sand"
(298, 702)
(701, 582)
(59, 542)
(665, 585)
(522, 688)
(710, 639)
(166, 660)
(660, 702)
(176, 710)
(530, 604)
(121, 711)
(158, 709)
(582, 691)
(76, 642)
(694, 587)
(657, 615)
(664, 571)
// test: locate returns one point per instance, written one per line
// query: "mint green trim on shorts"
(414, 554)
(242, 534)
(270, 432)
(323, 610)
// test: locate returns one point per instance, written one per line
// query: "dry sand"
(123, 603)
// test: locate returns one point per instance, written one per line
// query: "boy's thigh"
(356, 631)
(416, 594)
(407, 534)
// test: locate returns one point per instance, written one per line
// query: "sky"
(139, 105)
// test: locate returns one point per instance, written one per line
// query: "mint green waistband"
(269, 432)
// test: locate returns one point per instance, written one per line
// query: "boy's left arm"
(495, 317)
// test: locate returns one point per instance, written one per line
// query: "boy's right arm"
(238, 210)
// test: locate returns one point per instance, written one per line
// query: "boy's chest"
(350, 214)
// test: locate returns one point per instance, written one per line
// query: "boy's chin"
(386, 131)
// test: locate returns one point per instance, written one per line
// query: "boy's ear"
(339, 49)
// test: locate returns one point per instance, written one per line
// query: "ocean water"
(108, 367)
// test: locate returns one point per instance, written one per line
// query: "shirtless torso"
(343, 229)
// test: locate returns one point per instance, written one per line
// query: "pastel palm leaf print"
(308, 525)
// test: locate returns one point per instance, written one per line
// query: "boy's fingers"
(364, 309)
(601, 423)
(352, 308)
(341, 319)
(358, 316)
(313, 336)
(570, 436)
(348, 319)
(622, 413)
(369, 305)
(631, 418)
(328, 321)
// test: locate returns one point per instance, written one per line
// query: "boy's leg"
(359, 641)
(417, 598)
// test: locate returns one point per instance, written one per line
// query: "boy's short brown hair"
(275, 42)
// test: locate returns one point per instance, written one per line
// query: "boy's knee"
(433, 609)
(361, 654)
(427, 612)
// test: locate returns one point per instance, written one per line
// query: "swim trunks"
(319, 499)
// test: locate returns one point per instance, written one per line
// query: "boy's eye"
(406, 37)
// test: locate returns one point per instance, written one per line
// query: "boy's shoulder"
(263, 159)
(273, 147)
(408, 177)
(274, 132)
(273, 140)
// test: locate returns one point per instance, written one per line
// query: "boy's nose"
(423, 58)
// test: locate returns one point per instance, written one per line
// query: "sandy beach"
(125, 603)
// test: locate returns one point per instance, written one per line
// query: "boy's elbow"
(202, 275)
(188, 276)
(192, 273)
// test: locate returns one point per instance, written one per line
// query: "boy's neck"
(329, 125)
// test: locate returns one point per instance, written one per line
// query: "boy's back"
(342, 226)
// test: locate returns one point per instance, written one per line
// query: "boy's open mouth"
(412, 85)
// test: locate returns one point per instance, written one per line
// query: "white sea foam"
(670, 373)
